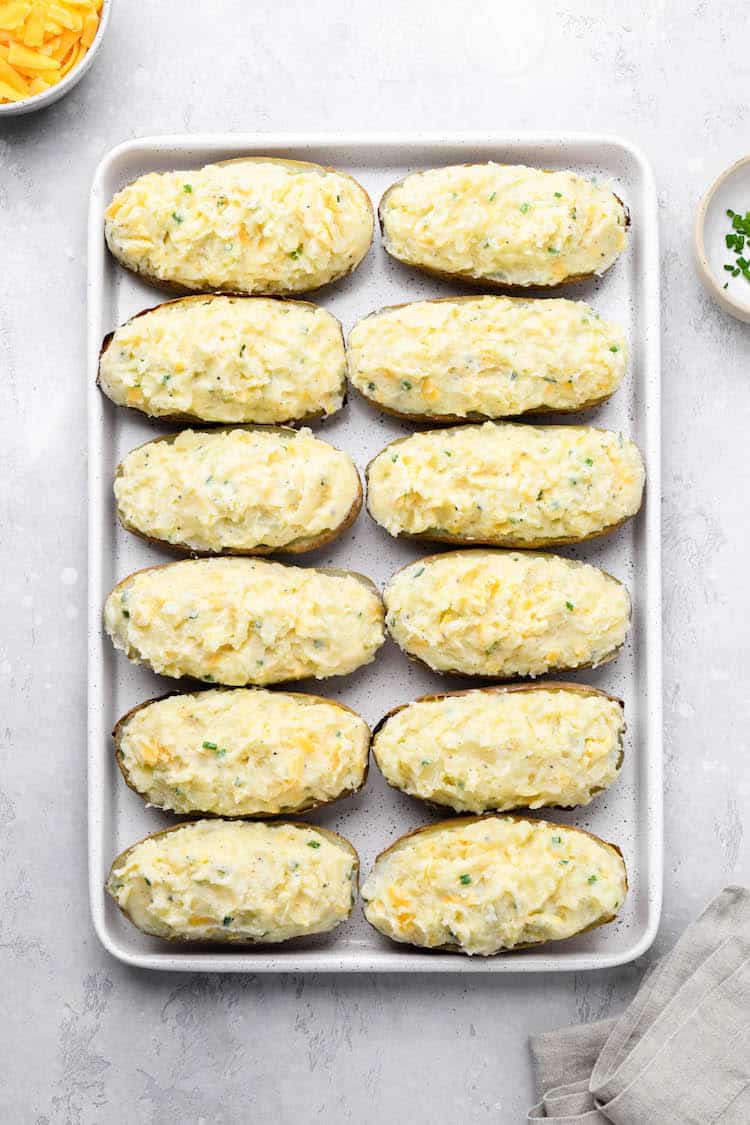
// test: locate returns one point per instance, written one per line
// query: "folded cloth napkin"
(680, 1054)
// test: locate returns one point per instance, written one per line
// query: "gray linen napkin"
(680, 1054)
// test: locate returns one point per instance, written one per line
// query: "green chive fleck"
(493, 196)
(592, 878)
(570, 606)
(296, 253)
(524, 208)
(227, 920)
(558, 195)
(210, 746)
(614, 348)
(465, 880)
(313, 843)
(187, 188)
(588, 460)
(177, 218)
(221, 753)
(405, 384)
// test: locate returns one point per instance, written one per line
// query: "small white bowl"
(39, 101)
(730, 191)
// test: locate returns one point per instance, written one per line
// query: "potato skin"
(483, 282)
(504, 542)
(294, 547)
(302, 165)
(135, 656)
(441, 824)
(182, 417)
(495, 689)
(470, 416)
(606, 659)
(180, 939)
(120, 727)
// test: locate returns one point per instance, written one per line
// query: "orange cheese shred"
(41, 41)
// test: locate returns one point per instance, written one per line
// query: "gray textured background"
(84, 1040)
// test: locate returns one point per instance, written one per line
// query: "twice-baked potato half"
(245, 621)
(227, 359)
(504, 614)
(499, 748)
(236, 882)
(258, 224)
(243, 752)
(481, 885)
(238, 491)
(504, 484)
(503, 225)
(455, 359)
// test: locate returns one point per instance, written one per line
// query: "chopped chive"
(493, 196)
(570, 606)
(313, 843)
(210, 746)
(227, 920)
(465, 880)
(524, 208)
(614, 348)
(558, 195)
(187, 188)
(592, 878)
(177, 218)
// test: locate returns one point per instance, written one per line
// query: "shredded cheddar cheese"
(41, 41)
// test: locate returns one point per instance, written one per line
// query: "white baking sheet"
(631, 813)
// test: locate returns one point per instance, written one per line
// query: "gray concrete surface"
(84, 1040)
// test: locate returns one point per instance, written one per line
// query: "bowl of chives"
(721, 238)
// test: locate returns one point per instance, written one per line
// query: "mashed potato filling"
(489, 356)
(228, 359)
(236, 489)
(501, 613)
(243, 752)
(507, 484)
(214, 880)
(499, 750)
(506, 223)
(245, 621)
(252, 226)
(493, 884)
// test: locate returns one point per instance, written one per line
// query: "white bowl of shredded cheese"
(46, 47)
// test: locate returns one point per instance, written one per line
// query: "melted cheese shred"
(228, 881)
(245, 621)
(504, 614)
(492, 357)
(243, 753)
(506, 484)
(508, 224)
(237, 490)
(252, 226)
(227, 359)
(493, 884)
(497, 750)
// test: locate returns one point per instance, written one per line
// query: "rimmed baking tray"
(631, 813)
